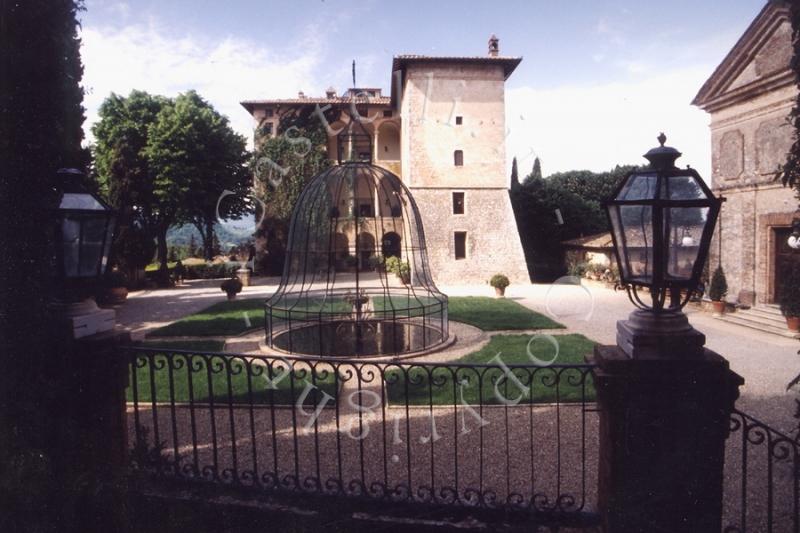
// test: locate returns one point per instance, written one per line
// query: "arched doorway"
(341, 249)
(391, 245)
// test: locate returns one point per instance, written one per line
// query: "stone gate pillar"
(664, 419)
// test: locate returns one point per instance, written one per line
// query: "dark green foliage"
(577, 195)
(514, 175)
(40, 131)
(282, 166)
(499, 281)
(789, 172)
(536, 173)
(719, 285)
(789, 297)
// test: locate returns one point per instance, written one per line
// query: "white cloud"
(224, 72)
(597, 127)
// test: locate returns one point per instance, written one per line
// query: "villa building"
(442, 131)
(750, 96)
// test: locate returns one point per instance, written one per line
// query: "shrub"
(393, 265)
(404, 271)
(499, 281)
(789, 296)
(351, 261)
(210, 270)
(232, 285)
(719, 285)
(578, 269)
(375, 261)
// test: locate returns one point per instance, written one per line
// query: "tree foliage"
(577, 196)
(537, 169)
(167, 161)
(514, 175)
(41, 99)
(789, 172)
(282, 166)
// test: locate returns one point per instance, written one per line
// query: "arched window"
(458, 158)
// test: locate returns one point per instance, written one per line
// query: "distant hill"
(229, 234)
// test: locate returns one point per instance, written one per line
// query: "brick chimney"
(494, 46)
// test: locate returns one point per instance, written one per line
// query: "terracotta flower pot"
(793, 322)
(500, 292)
(719, 307)
(231, 296)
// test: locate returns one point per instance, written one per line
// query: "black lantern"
(83, 232)
(662, 220)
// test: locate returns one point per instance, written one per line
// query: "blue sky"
(598, 80)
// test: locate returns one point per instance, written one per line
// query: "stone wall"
(493, 244)
(749, 141)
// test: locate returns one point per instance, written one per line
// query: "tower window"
(268, 113)
(460, 242)
(458, 203)
(458, 158)
(387, 112)
(459, 120)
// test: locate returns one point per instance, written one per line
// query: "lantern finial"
(662, 138)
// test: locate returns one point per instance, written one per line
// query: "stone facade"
(750, 96)
(442, 131)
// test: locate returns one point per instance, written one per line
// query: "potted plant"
(114, 288)
(375, 262)
(351, 262)
(404, 272)
(232, 287)
(789, 298)
(718, 290)
(499, 282)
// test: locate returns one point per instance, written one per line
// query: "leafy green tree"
(282, 166)
(197, 157)
(123, 172)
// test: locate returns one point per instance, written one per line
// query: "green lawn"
(221, 319)
(277, 385)
(543, 384)
(493, 314)
(237, 316)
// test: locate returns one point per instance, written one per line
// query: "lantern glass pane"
(637, 241)
(639, 187)
(70, 237)
(80, 201)
(683, 231)
(680, 188)
(92, 246)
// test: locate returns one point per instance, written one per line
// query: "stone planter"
(793, 323)
(500, 292)
(231, 296)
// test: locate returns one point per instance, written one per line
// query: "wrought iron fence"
(513, 438)
(762, 478)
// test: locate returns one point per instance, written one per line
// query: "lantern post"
(664, 399)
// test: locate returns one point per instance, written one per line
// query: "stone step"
(761, 316)
(770, 326)
(769, 311)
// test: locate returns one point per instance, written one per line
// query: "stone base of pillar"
(663, 426)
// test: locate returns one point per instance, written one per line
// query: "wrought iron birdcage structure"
(356, 281)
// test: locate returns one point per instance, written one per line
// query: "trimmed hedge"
(202, 271)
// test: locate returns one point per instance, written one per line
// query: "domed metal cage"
(357, 280)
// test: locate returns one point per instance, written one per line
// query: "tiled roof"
(597, 241)
(509, 63)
